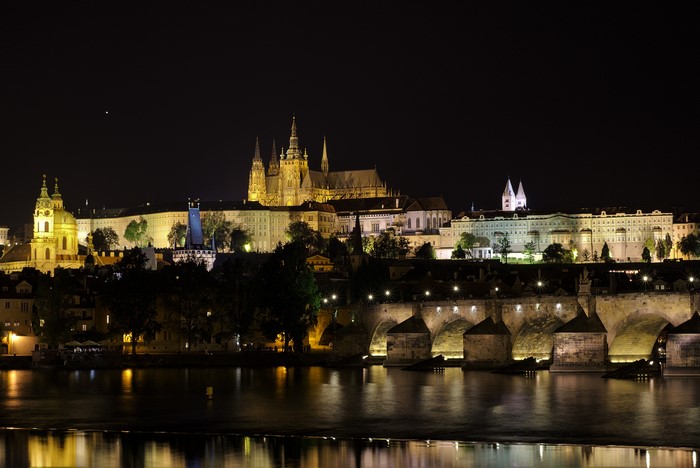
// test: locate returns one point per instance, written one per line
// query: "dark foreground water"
(320, 417)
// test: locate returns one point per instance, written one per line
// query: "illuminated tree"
(214, 225)
(503, 247)
(529, 251)
(466, 241)
(136, 232)
(176, 236)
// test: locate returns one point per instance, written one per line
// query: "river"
(318, 416)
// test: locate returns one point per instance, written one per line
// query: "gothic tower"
(256, 180)
(293, 169)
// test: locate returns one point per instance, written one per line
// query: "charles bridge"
(628, 325)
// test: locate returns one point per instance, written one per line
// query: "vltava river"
(316, 416)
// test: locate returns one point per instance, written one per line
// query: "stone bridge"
(633, 321)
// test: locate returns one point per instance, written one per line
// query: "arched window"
(35, 255)
(46, 226)
(65, 243)
(435, 224)
(48, 254)
(409, 223)
(417, 223)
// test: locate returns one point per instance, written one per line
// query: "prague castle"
(290, 181)
(332, 202)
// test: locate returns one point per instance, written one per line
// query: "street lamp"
(387, 293)
(645, 280)
(691, 280)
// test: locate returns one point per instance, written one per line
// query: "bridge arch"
(449, 340)
(536, 338)
(377, 345)
(634, 338)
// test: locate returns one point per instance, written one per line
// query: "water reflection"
(121, 449)
(554, 417)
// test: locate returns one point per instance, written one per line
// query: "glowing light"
(427, 293)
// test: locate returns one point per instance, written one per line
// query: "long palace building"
(330, 202)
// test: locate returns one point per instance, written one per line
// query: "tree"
(191, 299)
(425, 251)
(529, 251)
(129, 294)
(467, 240)
(235, 299)
(689, 245)
(240, 240)
(650, 244)
(301, 232)
(660, 250)
(289, 296)
(104, 239)
(51, 314)
(136, 232)
(336, 249)
(646, 255)
(215, 226)
(176, 236)
(459, 252)
(503, 247)
(605, 253)
(554, 253)
(668, 245)
(387, 245)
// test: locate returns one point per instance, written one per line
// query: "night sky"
(589, 107)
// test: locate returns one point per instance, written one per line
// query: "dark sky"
(589, 107)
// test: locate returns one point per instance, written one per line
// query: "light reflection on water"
(342, 417)
(88, 449)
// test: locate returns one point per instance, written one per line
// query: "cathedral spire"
(257, 157)
(293, 152)
(274, 167)
(324, 159)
